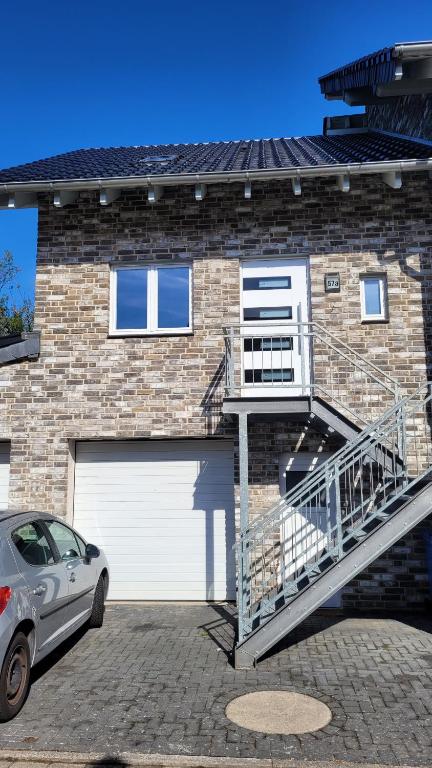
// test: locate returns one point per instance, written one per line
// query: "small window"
(157, 159)
(266, 283)
(146, 300)
(267, 313)
(373, 292)
(65, 540)
(277, 344)
(31, 543)
(268, 375)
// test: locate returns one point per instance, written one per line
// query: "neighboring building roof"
(19, 347)
(389, 71)
(218, 158)
(378, 67)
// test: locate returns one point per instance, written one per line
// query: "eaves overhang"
(402, 69)
(134, 182)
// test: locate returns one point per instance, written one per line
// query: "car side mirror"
(71, 554)
(91, 551)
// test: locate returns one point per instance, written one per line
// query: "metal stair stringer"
(347, 429)
(320, 590)
(330, 417)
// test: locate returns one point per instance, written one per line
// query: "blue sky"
(96, 73)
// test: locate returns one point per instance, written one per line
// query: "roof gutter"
(408, 51)
(131, 182)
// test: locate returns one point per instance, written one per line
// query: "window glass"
(374, 297)
(372, 294)
(268, 375)
(65, 540)
(266, 283)
(173, 297)
(152, 298)
(32, 544)
(81, 545)
(131, 298)
(292, 478)
(267, 313)
(276, 344)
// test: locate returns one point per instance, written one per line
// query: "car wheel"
(14, 677)
(98, 610)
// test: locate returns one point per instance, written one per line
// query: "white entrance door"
(304, 530)
(163, 512)
(275, 351)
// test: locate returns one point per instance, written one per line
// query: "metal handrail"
(352, 351)
(312, 324)
(365, 436)
(362, 481)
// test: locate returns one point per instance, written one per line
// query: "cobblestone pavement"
(157, 679)
(28, 759)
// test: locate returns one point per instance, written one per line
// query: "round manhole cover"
(279, 712)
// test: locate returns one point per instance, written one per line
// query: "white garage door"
(4, 474)
(164, 514)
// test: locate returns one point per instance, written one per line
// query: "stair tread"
(312, 569)
(359, 527)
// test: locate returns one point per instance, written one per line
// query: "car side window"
(64, 539)
(32, 544)
(81, 544)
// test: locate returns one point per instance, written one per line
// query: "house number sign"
(332, 282)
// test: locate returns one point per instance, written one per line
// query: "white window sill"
(150, 334)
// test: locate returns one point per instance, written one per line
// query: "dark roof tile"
(218, 157)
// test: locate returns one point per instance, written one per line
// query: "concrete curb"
(42, 759)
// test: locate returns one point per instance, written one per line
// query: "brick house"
(215, 323)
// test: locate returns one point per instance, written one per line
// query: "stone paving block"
(165, 691)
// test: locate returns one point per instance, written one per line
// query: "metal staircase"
(331, 526)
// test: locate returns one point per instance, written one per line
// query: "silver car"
(51, 583)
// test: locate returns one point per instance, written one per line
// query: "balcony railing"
(303, 359)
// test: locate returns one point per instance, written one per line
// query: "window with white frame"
(373, 293)
(150, 299)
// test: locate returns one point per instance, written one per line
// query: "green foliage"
(15, 317)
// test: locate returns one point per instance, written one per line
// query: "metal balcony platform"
(266, 405)
(299, 409)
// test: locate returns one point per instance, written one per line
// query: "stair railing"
(307, 532)
(305, 359)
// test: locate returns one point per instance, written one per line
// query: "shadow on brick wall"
(216, 422)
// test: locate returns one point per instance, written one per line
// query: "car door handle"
(40, 589)
(72, 577)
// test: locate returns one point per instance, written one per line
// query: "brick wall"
(86, 385)
(397, 580)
